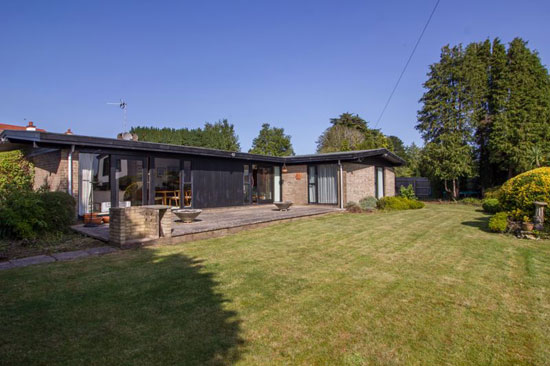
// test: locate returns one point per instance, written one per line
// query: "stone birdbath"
(283, 206)
(187, 215)
(539, 215)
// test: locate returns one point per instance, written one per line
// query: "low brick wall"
(131, 225)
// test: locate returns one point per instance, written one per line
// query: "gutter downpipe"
(70, 171)
(341, 185)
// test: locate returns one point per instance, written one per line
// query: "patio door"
(263, 184)
(323, 184)
(129, 186)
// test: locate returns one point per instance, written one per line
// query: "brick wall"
(358, 181)
(389, 181)
(295, 184)
(130, 224)
(52, 169)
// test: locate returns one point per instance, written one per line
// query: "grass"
(420, 287)
(53, 243)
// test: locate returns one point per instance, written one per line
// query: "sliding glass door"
(323, 184)
(130, 184)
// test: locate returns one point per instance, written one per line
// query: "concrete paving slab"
(37, 259)
(69, 256)
(101, 250)
(5, 265)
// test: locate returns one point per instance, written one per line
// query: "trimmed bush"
(15, 171)
(499, 222)
(407, 192)
(491, 205)
(25, 214)
(470, 201)
(368, 203)
(398, 203)
(518, 194)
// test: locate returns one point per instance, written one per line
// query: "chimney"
(30, 126)
(68, 132)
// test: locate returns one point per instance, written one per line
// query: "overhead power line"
(407, 64)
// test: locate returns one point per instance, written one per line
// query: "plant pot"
(527, 226)
(89, 217)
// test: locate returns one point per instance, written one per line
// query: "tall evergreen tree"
(521, 108)
(445, 120)
(272, 141)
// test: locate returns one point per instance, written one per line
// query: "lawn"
(422, 287)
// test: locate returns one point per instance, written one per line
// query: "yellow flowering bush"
(518, 194)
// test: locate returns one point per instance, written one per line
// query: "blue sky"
(294, 64)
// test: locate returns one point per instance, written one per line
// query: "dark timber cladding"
(217, 182)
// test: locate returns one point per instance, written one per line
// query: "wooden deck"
(222, 221)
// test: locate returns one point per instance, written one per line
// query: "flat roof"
(12, 139)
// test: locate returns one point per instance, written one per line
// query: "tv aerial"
(122, 105)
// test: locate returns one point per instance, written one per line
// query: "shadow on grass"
(131, 309)
(482, 223)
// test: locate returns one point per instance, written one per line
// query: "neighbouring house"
(29, 127)
(102, 173)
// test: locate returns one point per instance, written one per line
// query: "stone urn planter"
(283, 206)
(187, 215)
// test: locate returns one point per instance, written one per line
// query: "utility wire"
(407, 64)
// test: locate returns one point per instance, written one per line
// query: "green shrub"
(518, 194)
(61, 210)
(499, 222)
(25, 214)
(407, 192)
(368, 203)
(398, 203)
(22, 214)
(470, 201)
(491, 205)
(15, 171)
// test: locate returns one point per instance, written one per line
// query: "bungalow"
(102, 173)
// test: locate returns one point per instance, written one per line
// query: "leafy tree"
(350, 132)
(220, 135)
(398, 147)
(446, 122)
(272, 141)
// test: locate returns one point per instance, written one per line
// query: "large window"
(167, 182)
(323, 184)
(95, 189)
(379, 182)
(187, 184)
(247, 197)
(130, 182)
(277, 183)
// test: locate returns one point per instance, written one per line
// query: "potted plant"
(527, 225)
